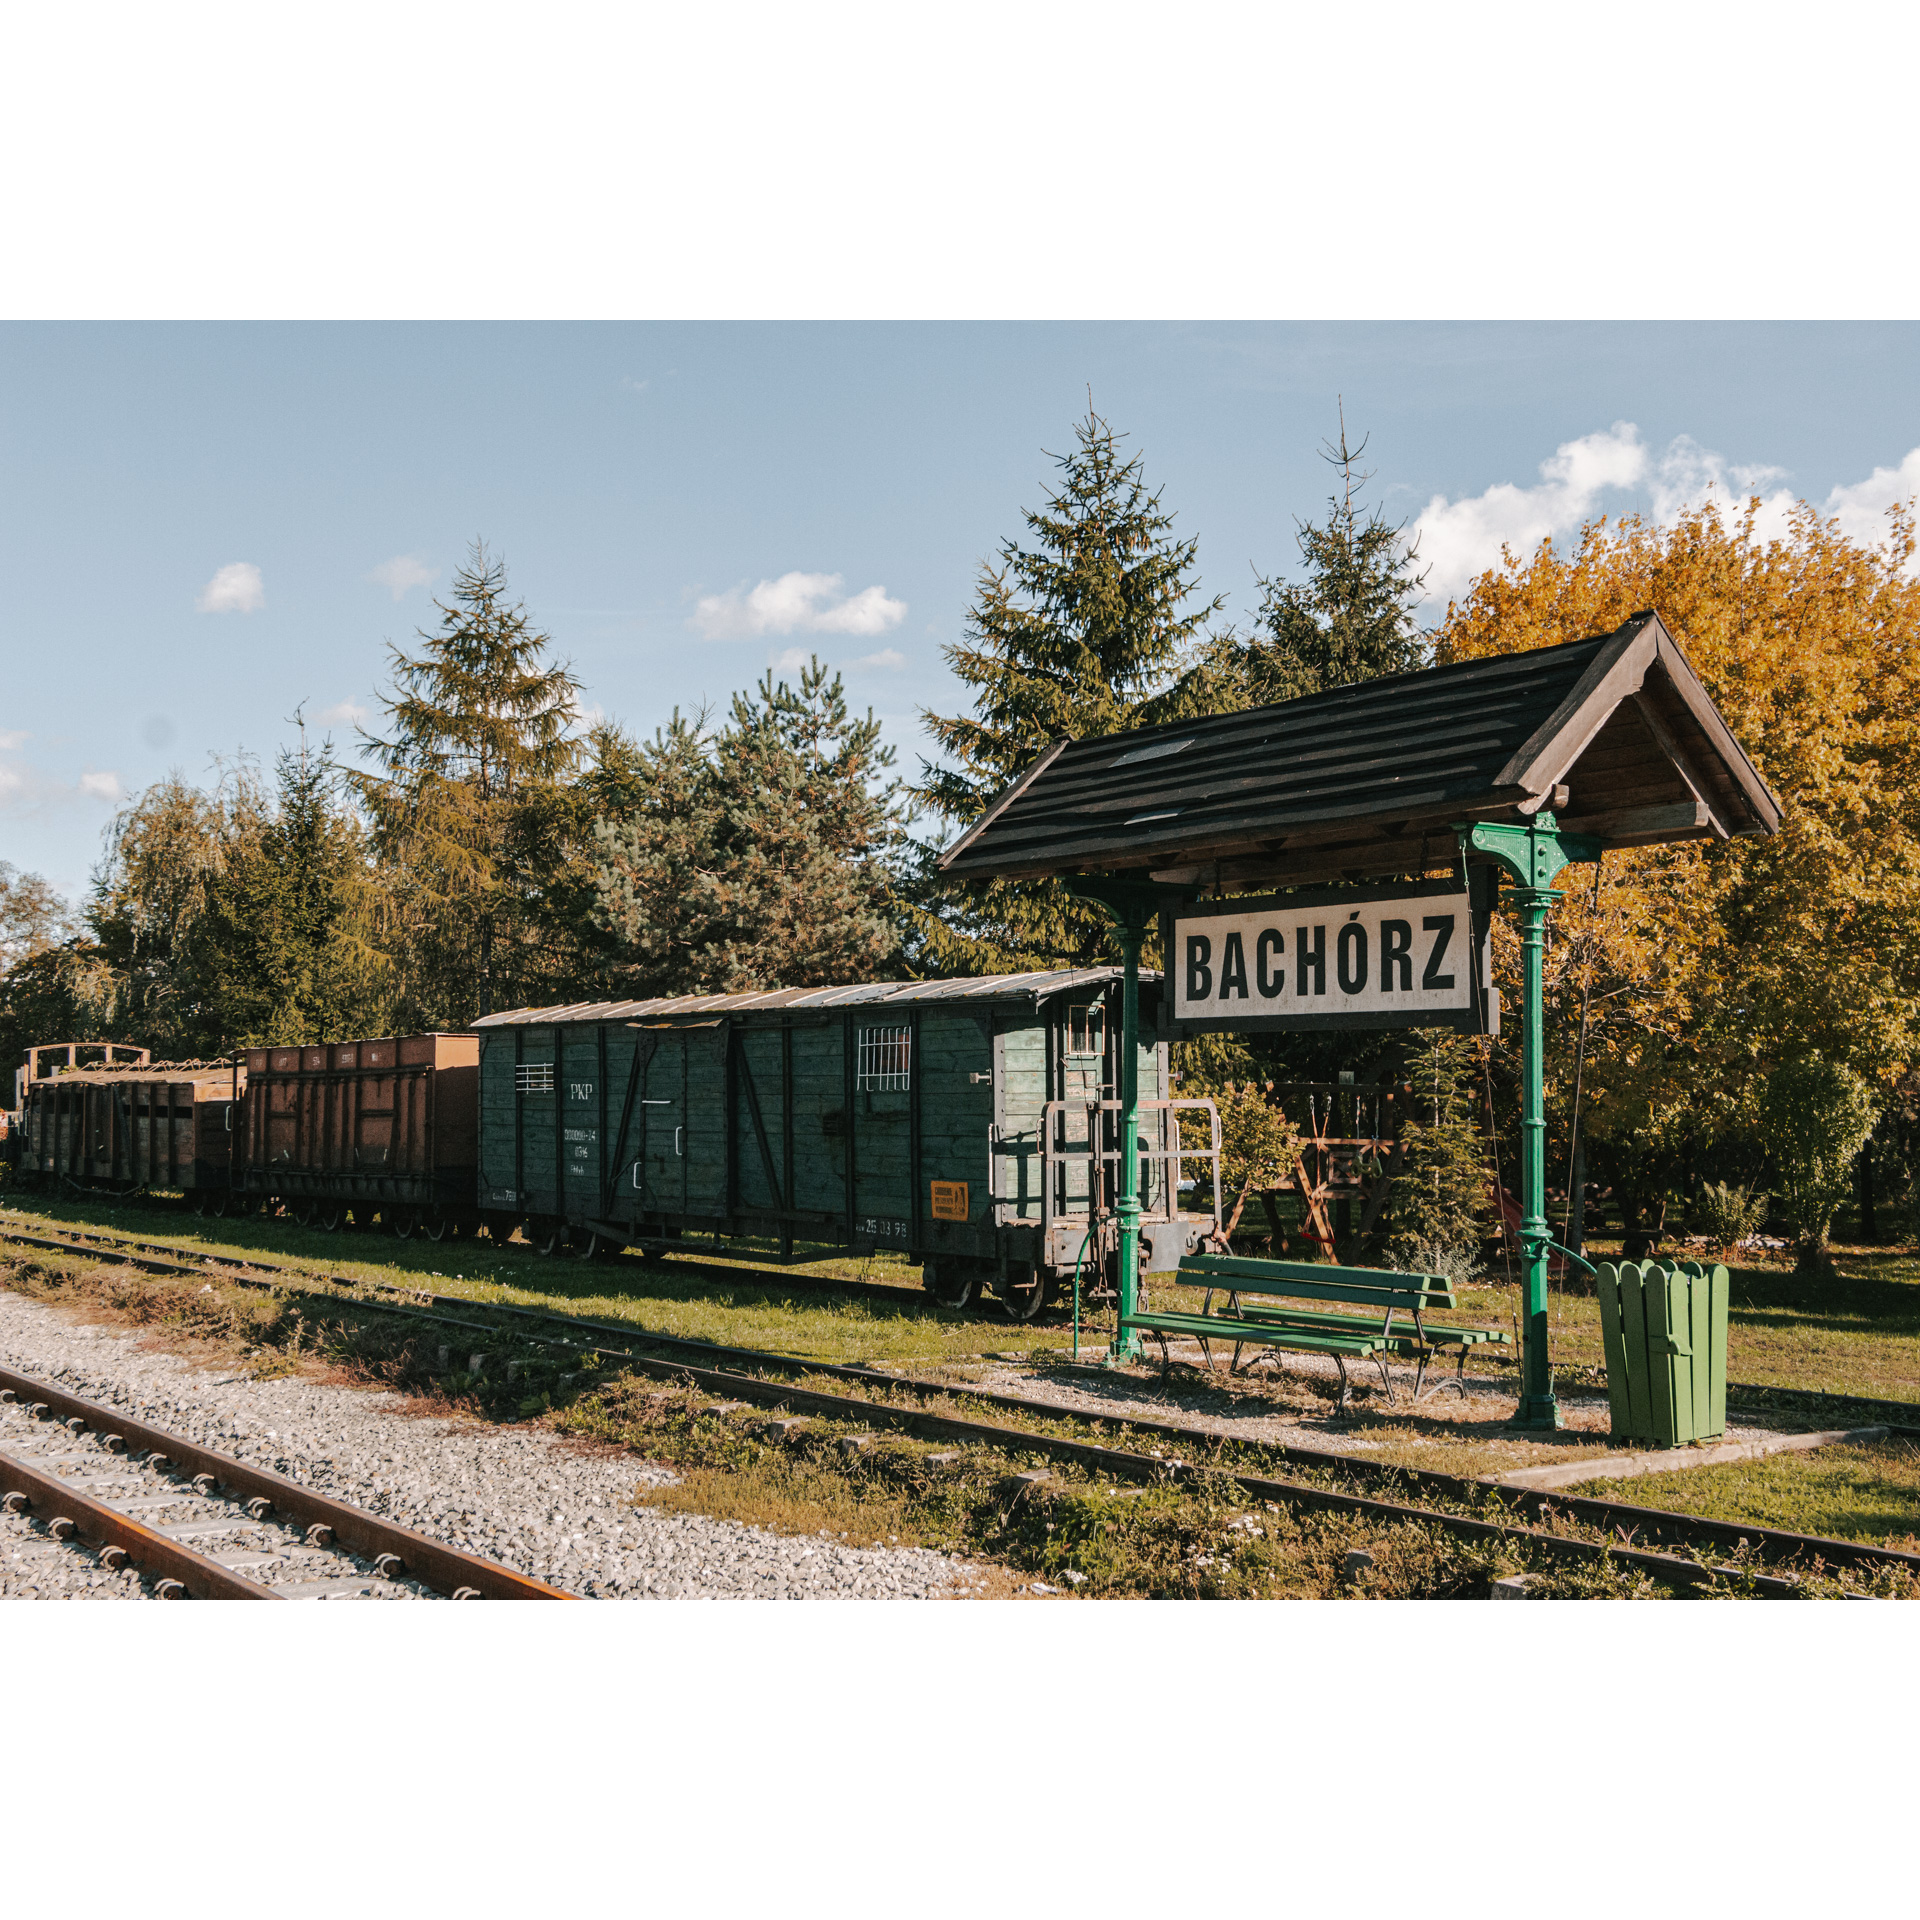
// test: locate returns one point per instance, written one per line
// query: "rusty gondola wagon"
(361, 1128)
(123, 1126)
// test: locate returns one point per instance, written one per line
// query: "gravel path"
(1250, 1415)
(518, 1495)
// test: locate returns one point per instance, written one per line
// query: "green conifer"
(1088, 629)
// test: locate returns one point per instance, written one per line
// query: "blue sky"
(205, 525)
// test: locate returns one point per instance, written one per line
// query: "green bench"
(1249, 1319)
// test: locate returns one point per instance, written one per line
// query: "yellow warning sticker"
(949, 1199)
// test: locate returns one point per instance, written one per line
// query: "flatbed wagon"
(970, 1125)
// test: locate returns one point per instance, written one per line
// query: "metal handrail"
(1052, 1155)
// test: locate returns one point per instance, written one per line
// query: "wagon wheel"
(328, 1214)
(405, 1223)
(301, 1212)
(437, 1226)
(954, 1287)
(1024, 1303)
(197, 1201)
(594, 1246)
(216, 1208)
(549, 1237)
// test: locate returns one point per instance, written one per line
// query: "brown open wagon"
(156, 1127)
(356, 1128)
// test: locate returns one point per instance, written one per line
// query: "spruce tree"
(1351, 617)
(758, 856)
(1090, 628)
(478, 722)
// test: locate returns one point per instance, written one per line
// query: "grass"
(1856, 1333)
(1199, 1537)
(1865, 1493)
(656, 1296)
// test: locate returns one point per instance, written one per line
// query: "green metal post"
(1538, 1407)
(1133, 907)
(1531, 856)
(1126, 1345)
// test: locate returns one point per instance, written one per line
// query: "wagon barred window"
(533, 1077)
(885, 1065)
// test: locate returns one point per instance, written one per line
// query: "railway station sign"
(1406, 954)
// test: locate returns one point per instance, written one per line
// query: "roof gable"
(1371, 778)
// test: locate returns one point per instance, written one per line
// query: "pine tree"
(479, 721)
(1351, 618)
(1086, 631)
(758, 856)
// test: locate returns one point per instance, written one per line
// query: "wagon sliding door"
(673, 1162)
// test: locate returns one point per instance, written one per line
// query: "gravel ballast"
(518, 1495)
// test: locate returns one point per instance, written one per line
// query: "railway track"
(913, 1298)
(1475, 1509)
(135, 1496)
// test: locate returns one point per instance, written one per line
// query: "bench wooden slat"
(1237, 1263)
(1438, 1334)
(1207, 1327)
(1357, 1286)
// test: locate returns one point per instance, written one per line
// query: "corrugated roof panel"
(994, 986)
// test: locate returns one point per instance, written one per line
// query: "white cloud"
(1861, 508)
(794, 660)
(343, 713)
(1689, 475)
(404, 572)
(796, 603)
(28, 789)
(236, 588)
(631, 385)
(886, 657)
(1462, 538)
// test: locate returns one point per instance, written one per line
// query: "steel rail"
(446, 1569)
(1902, 1416)
(46, 1495)
(909, 1296)
(1626, 1521)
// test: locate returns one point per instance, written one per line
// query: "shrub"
(1818, 1115)
(1458, 1265)
(1726, 1213)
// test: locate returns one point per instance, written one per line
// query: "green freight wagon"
(970, 1125)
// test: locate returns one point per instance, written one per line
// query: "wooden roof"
(1615, 736)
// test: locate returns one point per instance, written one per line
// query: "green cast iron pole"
(1133, 907)
(1538, 1407)
(1126, 1345)
(1531, 856)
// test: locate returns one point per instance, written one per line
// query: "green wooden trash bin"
(1664, 1325)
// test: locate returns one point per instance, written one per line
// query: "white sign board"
(1408, 955)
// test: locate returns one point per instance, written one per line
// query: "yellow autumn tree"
(1708, 965)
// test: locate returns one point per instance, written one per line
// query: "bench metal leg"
(1386, 1379)
(1340, 1405)
(1166, 1358)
